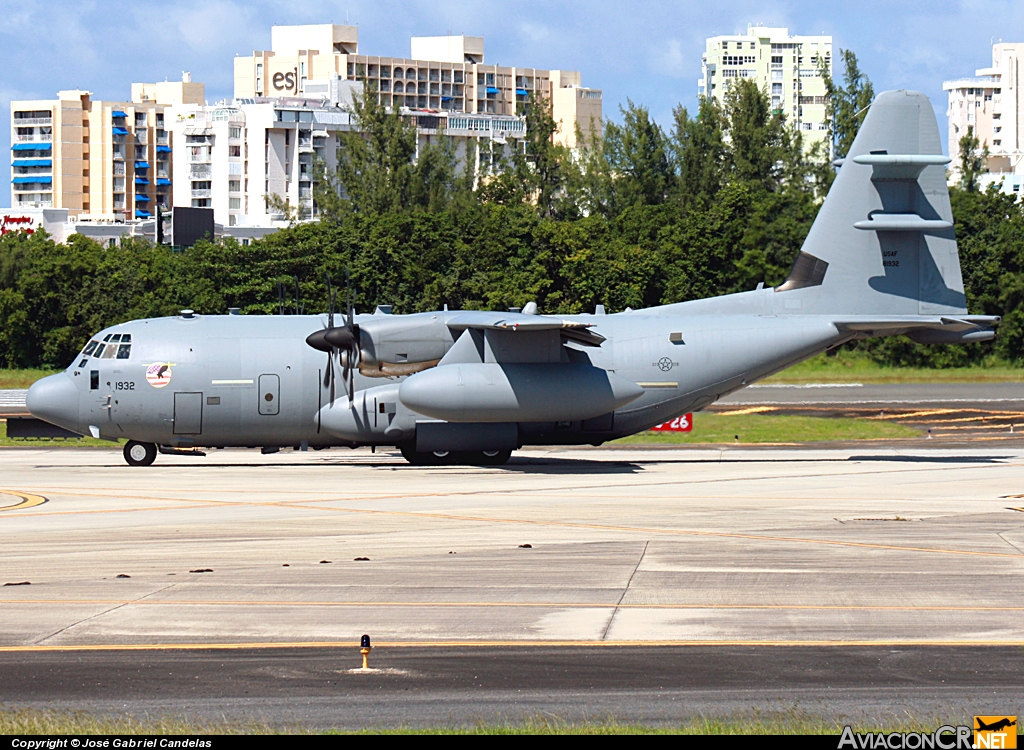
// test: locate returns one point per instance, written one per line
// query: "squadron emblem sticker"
(158, 374)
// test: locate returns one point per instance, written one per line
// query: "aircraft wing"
(520, 323)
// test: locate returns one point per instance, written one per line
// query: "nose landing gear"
(139, 454)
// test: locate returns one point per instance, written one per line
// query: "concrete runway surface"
(802, 573)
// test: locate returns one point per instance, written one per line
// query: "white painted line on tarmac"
(806, 385)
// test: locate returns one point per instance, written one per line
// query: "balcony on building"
(32, 164)
(162, 138)
(119, 131)
(141, 166)
(201, 193)
(29, 183)
(141, 180)
(33, 200)
(34, 137)
(162, 182)
(23, 148)
(141, 214)
(35, 117)
(163, 152)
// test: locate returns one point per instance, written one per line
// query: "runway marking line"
(25, 500)
(352, 645)
(525, 605)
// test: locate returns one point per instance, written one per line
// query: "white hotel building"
(989, 104)
(784, 66)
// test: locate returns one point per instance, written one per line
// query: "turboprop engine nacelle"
(492, 392)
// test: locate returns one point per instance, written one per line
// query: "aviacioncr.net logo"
(944, 738)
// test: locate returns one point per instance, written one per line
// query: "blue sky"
(645, 50)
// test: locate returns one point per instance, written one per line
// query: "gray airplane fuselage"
(240, 380)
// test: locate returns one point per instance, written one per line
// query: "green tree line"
(641, 216)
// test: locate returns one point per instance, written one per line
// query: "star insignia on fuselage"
(664, 364)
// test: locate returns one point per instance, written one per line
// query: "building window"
(234, 151)
(234, 203)
(234, 132)
(235, 186)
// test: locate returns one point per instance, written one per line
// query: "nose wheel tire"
(139, 454)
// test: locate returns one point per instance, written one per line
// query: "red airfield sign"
(682, 423)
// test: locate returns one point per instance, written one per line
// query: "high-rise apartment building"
(100, 159)
(444, 74)
(245, 159)
(786, 67)
(989, 105)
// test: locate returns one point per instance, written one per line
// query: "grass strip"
(792, 721)
(775, 428)
(858, 367)
(17, 379)
(84, 442)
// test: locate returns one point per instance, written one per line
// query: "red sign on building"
(14, 223)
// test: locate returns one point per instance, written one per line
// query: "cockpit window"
(115, 338)
(124, 351)
(89, 348)
(126, 338)
(109, 352)
(107, 337)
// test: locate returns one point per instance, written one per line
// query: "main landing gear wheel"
(486, 458)
(139, 454)
(425, 458)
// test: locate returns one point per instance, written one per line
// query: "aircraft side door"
(270, 394)
(188, 413)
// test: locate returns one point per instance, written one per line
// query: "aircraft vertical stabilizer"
(883, 243)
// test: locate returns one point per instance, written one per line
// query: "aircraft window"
(110, 351)
(94, 380)
(90, 347)
(107, 337)
(124, 351)
(126, 338)
(84, 362)
(115, 338)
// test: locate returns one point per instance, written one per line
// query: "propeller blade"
(330, 303)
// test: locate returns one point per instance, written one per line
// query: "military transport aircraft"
(472, 386)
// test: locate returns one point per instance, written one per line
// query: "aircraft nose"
(55, 400)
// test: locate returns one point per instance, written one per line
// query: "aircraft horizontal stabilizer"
(902, 322)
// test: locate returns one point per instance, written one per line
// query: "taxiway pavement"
(879, 548)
